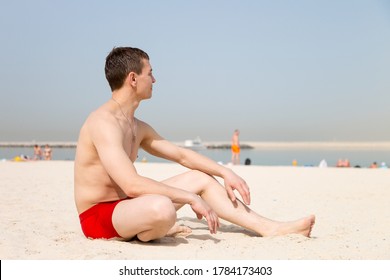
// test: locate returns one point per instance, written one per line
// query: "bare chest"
(131, 149)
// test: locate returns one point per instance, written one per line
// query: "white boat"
(195, 144)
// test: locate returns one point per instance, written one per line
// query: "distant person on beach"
(114, 201)
(235, 147)
(343, 163)
(47, 152)
(37, 152)
(22, 157)
(374, 165)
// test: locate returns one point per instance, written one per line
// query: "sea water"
(266, 157)
(278, 157)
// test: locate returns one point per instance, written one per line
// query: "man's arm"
(154, 144)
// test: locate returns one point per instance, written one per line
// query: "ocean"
(265, 157)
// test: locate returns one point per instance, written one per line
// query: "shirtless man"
(235, 147)
(37, 152)
(114, 201)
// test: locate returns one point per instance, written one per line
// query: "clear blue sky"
(276, 70)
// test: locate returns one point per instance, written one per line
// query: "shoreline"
(320, 145)
(375, 145)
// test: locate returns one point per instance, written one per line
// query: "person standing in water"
(235, 147)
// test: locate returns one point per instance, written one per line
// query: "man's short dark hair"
(120, 62)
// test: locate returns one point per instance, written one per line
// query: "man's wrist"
(192, 198)
(225, 172)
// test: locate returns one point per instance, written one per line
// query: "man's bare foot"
(302, 226)
(178, 230)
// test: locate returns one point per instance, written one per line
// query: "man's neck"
(126, 101)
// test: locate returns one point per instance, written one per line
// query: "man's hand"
(234, 182)
(202, 209)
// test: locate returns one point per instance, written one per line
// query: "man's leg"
(148, 217)
(237, 213)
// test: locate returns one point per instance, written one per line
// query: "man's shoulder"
(99, 122)
(144, 127)
(99, 116)
(142, 123)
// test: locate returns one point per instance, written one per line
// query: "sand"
(39, 220)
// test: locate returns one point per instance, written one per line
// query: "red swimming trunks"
(96, 222)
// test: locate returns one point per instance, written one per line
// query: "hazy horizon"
(276, 70)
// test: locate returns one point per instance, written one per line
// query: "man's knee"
(202, 178)
(163, 210)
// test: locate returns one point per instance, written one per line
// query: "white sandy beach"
(39, 219)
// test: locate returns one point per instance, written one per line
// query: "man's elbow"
(183, 156)
(135, 187)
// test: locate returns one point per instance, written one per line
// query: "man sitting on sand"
(114, 201)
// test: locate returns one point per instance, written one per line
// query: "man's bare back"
(92, 182)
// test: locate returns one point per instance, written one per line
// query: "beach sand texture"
(39, 219)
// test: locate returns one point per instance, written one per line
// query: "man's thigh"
(136, 215)
(193, 181)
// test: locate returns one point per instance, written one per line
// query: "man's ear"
(132, 79)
